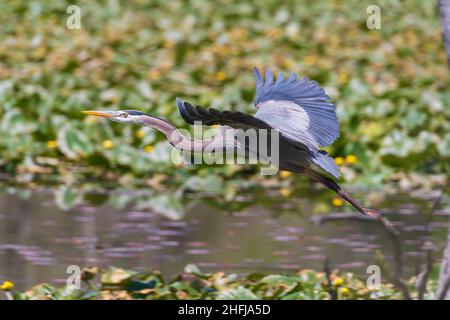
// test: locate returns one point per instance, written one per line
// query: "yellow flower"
(140, 133)
(39, 53)
(148, 149)
(344, 291)
(343, 77)
(338, 281)
(107, 144)
(337, 202)
(285, 192)
(7, 286)
(289, 64)
(285, 174)
(220, 76)
(52, 144)
(339, 161)
(108, 54)
(351, 159)
(223, 50)
(310, 60)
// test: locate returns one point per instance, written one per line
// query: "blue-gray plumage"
(298, 109)
(307, 100)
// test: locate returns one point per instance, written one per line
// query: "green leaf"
(73, 143)
(136, 285)
(168, 205)
(66, 197)
(13, 122)
(116, 276)
(193, 269)
(239, 293)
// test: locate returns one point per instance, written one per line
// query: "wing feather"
(211, 116)
(269, 116)
(309, 100)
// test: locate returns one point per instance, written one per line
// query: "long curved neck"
(175, 137)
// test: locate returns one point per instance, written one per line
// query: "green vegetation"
(114, 283)
(390, 85)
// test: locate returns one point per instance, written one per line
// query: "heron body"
(297, 109)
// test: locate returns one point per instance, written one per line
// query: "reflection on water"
(41, 236)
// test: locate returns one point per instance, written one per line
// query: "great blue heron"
(298, 109)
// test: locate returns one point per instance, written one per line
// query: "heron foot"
(373, 213)
(381, 217)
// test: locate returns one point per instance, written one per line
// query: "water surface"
(44, 231)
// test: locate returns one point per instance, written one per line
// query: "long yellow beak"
(104, 114)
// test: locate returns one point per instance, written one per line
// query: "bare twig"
(444, 276)
(442, 292)
(444, 11)
(430, 216)
(422, 278)
(396, 277)
(331, 290)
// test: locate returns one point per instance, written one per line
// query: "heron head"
(130, 116)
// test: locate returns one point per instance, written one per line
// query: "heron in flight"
(299, 109)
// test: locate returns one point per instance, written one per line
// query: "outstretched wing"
(239, 120)
(211, 116)
(298, 108)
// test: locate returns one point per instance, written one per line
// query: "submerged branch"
(388, 226)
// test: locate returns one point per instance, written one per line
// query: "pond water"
(42, 232)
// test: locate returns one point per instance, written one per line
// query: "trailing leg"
(328, 182)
